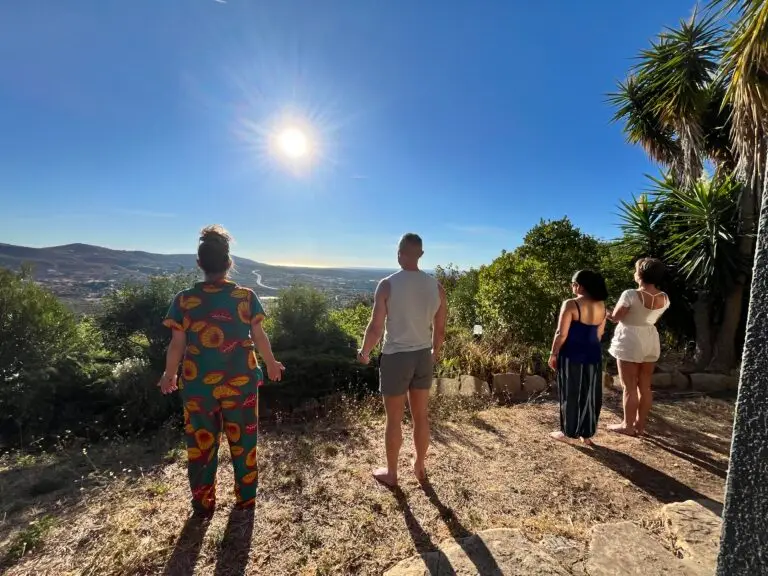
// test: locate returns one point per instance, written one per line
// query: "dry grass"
(121, 510)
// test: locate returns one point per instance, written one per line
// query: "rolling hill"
(82, 273)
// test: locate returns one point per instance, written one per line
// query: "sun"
(293, 143)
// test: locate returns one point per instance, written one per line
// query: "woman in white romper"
(635, 343)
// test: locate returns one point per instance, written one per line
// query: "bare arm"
(563, 326)
(601, 328)
(438, 324)
(175, 352)
(261, 340)
(174, 355)
(375, 329)
(622, 307)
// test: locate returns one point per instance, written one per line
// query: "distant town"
(81, 274)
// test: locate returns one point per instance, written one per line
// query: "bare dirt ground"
(122, 509)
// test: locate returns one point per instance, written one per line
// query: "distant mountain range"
(84, 272)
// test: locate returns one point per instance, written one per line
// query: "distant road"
(260, 283)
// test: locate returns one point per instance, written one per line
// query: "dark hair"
(650, 270)
(593, 284)
(213, 251)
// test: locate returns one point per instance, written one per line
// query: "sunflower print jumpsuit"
(219, 385)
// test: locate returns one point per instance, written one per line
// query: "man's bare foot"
(622, 429)
(558, 436)
(587, 441)
(382, 475)
(420, 471)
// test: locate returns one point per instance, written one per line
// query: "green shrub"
(45, 357)
(132, 318)
(352, 320)
(301, 320)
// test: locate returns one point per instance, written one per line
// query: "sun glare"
(293, 143)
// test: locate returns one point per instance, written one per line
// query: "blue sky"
(133, 124)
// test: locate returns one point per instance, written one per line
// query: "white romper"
(636, 338)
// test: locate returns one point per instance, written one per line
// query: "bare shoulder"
(568, 305)
(383, 288)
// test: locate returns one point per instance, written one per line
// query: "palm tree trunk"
(701, 320)
(725, 356)
(724, 353)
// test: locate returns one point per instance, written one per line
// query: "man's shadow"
(232, 559)
(187, 549)
(434, 559)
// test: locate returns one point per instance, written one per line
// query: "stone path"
(688, 547)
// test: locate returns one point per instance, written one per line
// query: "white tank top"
(414, 299)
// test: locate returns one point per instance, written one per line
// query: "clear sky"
(131, 124)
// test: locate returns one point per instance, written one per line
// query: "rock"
(445, 386)
(473, 386)
(680, 381)
(709, 382)
(569, 553)
(499, 552)
(535, 385)
(695, 530)
(625, 549)
(661, 381)
(506, 384)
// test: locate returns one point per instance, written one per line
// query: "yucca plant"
(666, 99)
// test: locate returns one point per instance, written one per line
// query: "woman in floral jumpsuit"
(216, 331)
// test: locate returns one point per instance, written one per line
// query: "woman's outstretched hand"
(168, 384)
(275, 370)
(363, 358)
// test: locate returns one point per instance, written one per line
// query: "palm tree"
(667, 98)
(675, 105)
(744, 73)
(694, 228)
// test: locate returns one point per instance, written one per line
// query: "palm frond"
(642, 124)
(676, 72)
(704, 235)
(639, 221)
(745, 63)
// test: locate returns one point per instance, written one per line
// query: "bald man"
(410, 311)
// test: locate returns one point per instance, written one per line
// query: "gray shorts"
(403, 371)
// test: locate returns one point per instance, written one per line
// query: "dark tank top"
(582, 344)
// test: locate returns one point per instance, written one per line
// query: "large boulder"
(709, 382)
(445, 387)
(533, 385)
(507, 384)
(473, 386)
(695, 529)
(491, 552)
(625, 549)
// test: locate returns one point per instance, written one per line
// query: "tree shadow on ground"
(68, 474)
(654, 482)
(232, 559)
(187, 548)
(690, 454)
